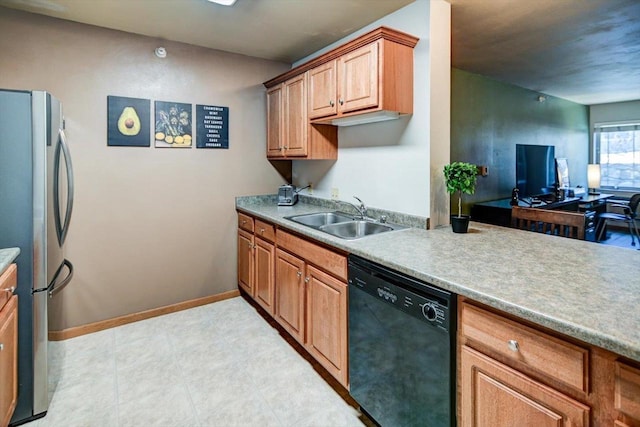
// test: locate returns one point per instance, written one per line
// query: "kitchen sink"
(355, 229)
(319, 219)
(343, 225)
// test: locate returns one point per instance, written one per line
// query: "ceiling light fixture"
(223, 2)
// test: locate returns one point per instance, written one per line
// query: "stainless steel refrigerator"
(36, 201)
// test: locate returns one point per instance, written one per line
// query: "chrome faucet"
(362, 209)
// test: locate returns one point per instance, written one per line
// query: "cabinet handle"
(513, 345)
(306, 279)
(341, 102)
(262, 230)
(10, 290)
(1, 346)
(299, 273)
(244, 221)
(331, 103)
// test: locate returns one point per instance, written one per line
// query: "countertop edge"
(7, 256)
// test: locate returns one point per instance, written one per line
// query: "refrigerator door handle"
(62, 147)
(56, 287)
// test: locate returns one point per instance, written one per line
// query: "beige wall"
(151, 227)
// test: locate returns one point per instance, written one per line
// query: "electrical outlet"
(335, 194)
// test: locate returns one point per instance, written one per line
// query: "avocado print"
(129, 122)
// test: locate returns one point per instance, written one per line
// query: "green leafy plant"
(460, 177)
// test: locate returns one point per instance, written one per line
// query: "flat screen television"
(535, 170)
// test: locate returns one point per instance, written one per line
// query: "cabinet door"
(322, 90)
(358, 79)
(290, 294)
(275, 122)
(8, 360)
(326, 338)
(245, 261)
(295, 118)
(494, 395)
(265, 275)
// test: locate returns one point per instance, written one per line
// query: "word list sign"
(213, 126)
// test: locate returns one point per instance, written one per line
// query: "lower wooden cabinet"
(264, 259)
(8, 350)
(494, 395)
(326, 315)
(289, 309)
(245, 261)
(627, 395)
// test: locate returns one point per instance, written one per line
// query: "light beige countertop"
(581, 289)
(7, 256)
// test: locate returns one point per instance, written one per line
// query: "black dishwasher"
(401, 347)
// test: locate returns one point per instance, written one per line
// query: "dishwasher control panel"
(418, 299)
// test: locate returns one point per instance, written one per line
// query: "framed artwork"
(173, 125)
(128, 122)
(212, 126)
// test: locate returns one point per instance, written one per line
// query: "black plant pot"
(460, 224)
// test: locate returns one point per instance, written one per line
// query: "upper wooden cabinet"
(275, 122)
(370, 75)
(289, 133)
(323, 90)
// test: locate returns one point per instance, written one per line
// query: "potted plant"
(460, 177)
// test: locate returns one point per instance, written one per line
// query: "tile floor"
(620, 238)
(215, 365)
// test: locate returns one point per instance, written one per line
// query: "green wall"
(488, 119)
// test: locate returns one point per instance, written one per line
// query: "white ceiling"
(587, 51)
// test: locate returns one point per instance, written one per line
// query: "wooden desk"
(597, 204)
(498, 212)
(594, 201)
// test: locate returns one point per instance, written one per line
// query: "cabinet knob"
(513, 345)
(331, 103)
(10, 290)
(262, 230)
(1, 346)
(244, 221)
(341, 102)
(306, 279)
(299, 273)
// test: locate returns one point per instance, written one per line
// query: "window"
(617, 150)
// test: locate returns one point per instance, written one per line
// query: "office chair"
(629, 216)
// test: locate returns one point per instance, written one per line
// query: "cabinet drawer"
(265, 230)
(245, 222)
(627, 394)
(526, 347)
(325, 259)
(8, 280)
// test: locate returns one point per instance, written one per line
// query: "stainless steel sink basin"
(319, 219)
(343, 225)
(355, 229)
